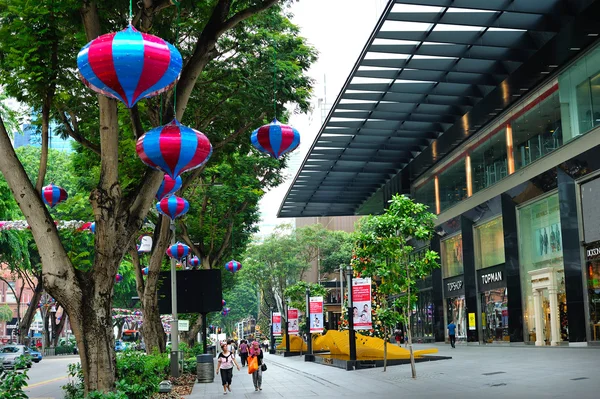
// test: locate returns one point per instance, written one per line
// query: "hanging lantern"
(174, 148)
(233, 266)
(53, 195)
(93, 227)
(173, 206)
(275, 139)
(168, 187)
(118, 278)
(145, 271)
(85, 226)
(194, 261)
(145, 245)
(223, 302)
(178, 250)
(129, 65)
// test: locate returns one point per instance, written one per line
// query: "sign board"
(454, 287)
(276, 324)
(472, 325)
(293, 327)
(315, 305)
(361, 303)
(12, 325)
(183, 325)
(491, 278)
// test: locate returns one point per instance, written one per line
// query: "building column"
(437, 296)
(537, 314)
(554, 317)
(469, 276)
(513, 274)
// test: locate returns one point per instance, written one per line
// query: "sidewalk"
(473, 372)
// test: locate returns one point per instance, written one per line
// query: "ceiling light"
(524, 89)
(516, 95)
(593, 34)
(553, 66)
(545, 72)
(575, 48)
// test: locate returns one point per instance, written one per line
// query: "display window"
(494, 318)
(540, 247)
(489, 244)
(452, 256)
(457, 312)
(422, 317)
(593, 286)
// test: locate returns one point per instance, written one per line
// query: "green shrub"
(12, 382)
(107, 395)
(138, 374)
(189, 365)
(74, 388)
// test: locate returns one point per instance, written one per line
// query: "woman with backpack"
(244, 352)
(225, 364)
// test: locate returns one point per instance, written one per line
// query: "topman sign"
(593, 252)
(491, 278)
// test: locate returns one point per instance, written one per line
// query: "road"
(47, 377)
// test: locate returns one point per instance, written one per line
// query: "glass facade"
(540, 246)
(422, 317)
(593, 287)
(489, 244)
(425, 194)
(537, 132)
(489, 162)
(452, 256)
(453, 184)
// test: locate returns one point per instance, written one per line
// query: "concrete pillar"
(537, 314)
(554, 317)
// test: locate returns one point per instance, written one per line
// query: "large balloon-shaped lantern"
(225, 311)
(168, 187)
(118, 278)
(129, 65)
(233, 266)
(53, 195)
(275, 139)
(178, 250)
(194, 261)
(145, 271)
(173, 206)
(174, 148)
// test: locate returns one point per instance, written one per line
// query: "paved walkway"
(473, 372)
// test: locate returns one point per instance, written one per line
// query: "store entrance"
(494, 318)
(457, 312)
(549, 307)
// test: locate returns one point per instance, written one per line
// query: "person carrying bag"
(255, 365)
(225, 365)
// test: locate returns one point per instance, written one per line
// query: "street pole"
(272, 346)
(204, 341)
(287, 325)
(351, 334)
(308, 334)
(175, 321)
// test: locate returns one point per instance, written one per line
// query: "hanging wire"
(274, 81)
(177, 5)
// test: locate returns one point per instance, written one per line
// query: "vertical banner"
(276, 324)
(316, 314)
(293, 322)
(361, 303)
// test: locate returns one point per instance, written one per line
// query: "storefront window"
(453, 184)
(489, 162)
(579, 88)
(457, 312)
(422, 317)
(593, 285)
(425, 194)
(540, 247)
(452, 256)
(489, 244)
(537, 132)
(494, 318)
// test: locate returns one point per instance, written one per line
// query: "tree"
(6, 313)
(383, 250)
(119, 205)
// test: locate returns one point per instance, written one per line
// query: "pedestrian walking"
(452, 333)
(225, 364)
(244, 352)
(398, 336)
(255, 352)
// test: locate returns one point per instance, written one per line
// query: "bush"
(189, 365)
(138, 374)
(64, 349)
(74, 388)
(12, 382)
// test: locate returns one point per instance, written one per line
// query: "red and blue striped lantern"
(178, 250)
(53, 195)
(223, 302)
(168, 187)
(145, 271)
(129, 65)
(118, 278)
(85, 226)
(233, 266)
(194, 261)
(275, 139)
(93, 227)
(174, 148)
(173, 206)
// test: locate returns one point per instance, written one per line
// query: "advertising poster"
(276, 324)
(316, 314)
(293, 327)
(361, 303)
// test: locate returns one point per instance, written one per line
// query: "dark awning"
(432, 70)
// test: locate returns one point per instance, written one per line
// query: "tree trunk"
(120, 325)
(408, 328)
(190, 336)
(27, 319)
(385, 348)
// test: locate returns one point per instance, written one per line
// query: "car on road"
(36, 355)
(11, 354)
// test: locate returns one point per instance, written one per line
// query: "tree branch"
(241, 130)
(73, 132)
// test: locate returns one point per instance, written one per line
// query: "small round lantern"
(233, 266)
(118, 278)
(93, 227)
(178, 250)
(129, 65)
(194, 261)
(53, 195)
(145, 271)
(173, 206)
(223, 302)
(275, 139)
(168, 187)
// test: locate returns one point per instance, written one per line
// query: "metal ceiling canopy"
(430, 71)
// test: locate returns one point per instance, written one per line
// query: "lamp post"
(351, 333)
(175, 321)
(287, 329)
(308, 334)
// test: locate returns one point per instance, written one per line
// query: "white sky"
(339, 30)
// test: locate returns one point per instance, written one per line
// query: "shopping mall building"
(489, 113)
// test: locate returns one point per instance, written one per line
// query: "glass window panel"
(537, 132)
(489, 162)
(453, 184)
(489, 244)
(426, 195)
(593, 286)
(452, 256)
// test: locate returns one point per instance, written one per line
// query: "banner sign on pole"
(316, 314)
(361, 303)
(276, 324)
(293, 327)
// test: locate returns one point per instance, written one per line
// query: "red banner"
(316, 314)
(293, 327)
(361, 303)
